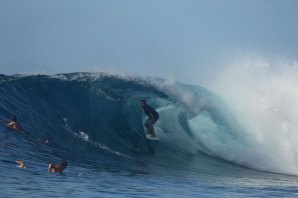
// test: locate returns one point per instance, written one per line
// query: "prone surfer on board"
(152, 117)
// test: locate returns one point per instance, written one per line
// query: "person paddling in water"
(57, 168)
(21, 164)
(14, 124)
(152, 117)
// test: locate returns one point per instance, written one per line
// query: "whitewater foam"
(263, 96)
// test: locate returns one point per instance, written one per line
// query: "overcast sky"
(181, 39)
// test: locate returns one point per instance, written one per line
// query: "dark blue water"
(94, 122)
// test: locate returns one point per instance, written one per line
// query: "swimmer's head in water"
(14, 119)
(63, 164)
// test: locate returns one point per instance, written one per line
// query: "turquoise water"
(93, 121)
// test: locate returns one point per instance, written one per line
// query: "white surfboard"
(149, 137)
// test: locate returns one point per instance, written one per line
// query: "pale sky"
(182, 39)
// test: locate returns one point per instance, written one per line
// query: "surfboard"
(149, 137)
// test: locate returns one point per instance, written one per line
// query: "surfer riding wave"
(153, 116)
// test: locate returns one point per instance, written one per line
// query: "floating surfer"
(153, 116)
(57, 168)
(21, 164)
(14, 124)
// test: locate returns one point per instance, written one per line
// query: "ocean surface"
(94, 122)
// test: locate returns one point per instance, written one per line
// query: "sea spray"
(263, 96)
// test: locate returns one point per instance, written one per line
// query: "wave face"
(93, 118)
